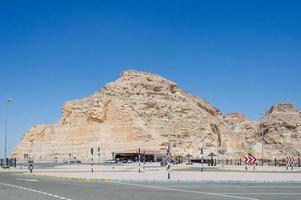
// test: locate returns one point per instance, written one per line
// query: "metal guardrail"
(265, 162)
(6, 163)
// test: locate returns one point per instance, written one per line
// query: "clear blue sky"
(239, 55)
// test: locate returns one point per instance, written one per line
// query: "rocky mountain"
(279, 130)
(138, 110)
(143, 110)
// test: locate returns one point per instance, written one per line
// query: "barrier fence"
(8, 162)
(266, 162)
(78, 152)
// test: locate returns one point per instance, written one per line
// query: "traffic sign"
(250, 160)
(290, 160)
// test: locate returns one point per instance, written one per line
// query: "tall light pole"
(7, 101)
(260, 114)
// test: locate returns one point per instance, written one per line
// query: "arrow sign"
(290, 160)
(250, 160)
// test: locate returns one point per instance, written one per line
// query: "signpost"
(98, 150)
(250, 160)
(92, 163)
(289, 162)
(144, 160)
(169, 159)
(222, 153)
(139, 169)
(202, 159)
(30, 166)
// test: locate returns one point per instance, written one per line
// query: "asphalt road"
(17, 186)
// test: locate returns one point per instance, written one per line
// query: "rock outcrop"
(281, 131)
(143, 110)
(242, 126)
(278, 132)
(138, 110)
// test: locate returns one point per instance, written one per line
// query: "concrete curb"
(107, 180)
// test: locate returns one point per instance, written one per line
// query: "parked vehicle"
(110, 162)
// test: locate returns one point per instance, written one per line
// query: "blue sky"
(239, 55)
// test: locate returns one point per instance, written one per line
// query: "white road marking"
(186, 191)
(29, 180)
(270, 193)
(235, 186)
(36, 191)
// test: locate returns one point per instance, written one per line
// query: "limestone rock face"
(241, 125)
(138, 110)
(143, 110)
(281, 130)
(278, 132)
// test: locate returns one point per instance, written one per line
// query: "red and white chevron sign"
(290, 160)
(250, 160)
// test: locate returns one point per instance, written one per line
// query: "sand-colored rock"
(147, 111)
(279, 131)
(281, 128)
(242, 126)
(138, 110)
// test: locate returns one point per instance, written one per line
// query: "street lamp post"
(262, 143)
(6, 120)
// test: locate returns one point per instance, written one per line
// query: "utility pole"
(6, 120)
(262, 143)
(72, 156)
(40, 158)
(169, 160)
(262, 148)
(139, 170)
(202, 159)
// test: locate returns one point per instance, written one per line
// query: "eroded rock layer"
(143, 110)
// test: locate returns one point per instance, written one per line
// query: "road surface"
(17, 186)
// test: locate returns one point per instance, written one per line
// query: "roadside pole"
(98, 153)
(144, 160)
(202, 159)
(290, 162)
(222, 153)
(113, 158)
(30, 166)
(92, 160)
(139, 169)
(168, 171)
(169, 159)
(6, 124)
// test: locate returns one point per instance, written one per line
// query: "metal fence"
(266, 162)
(8, 163)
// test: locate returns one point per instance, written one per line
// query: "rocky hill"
(143, 110)
(138, 110)
(279, 130)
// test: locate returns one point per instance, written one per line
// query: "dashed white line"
(36, 191)
(186, 191)
(29, 180)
